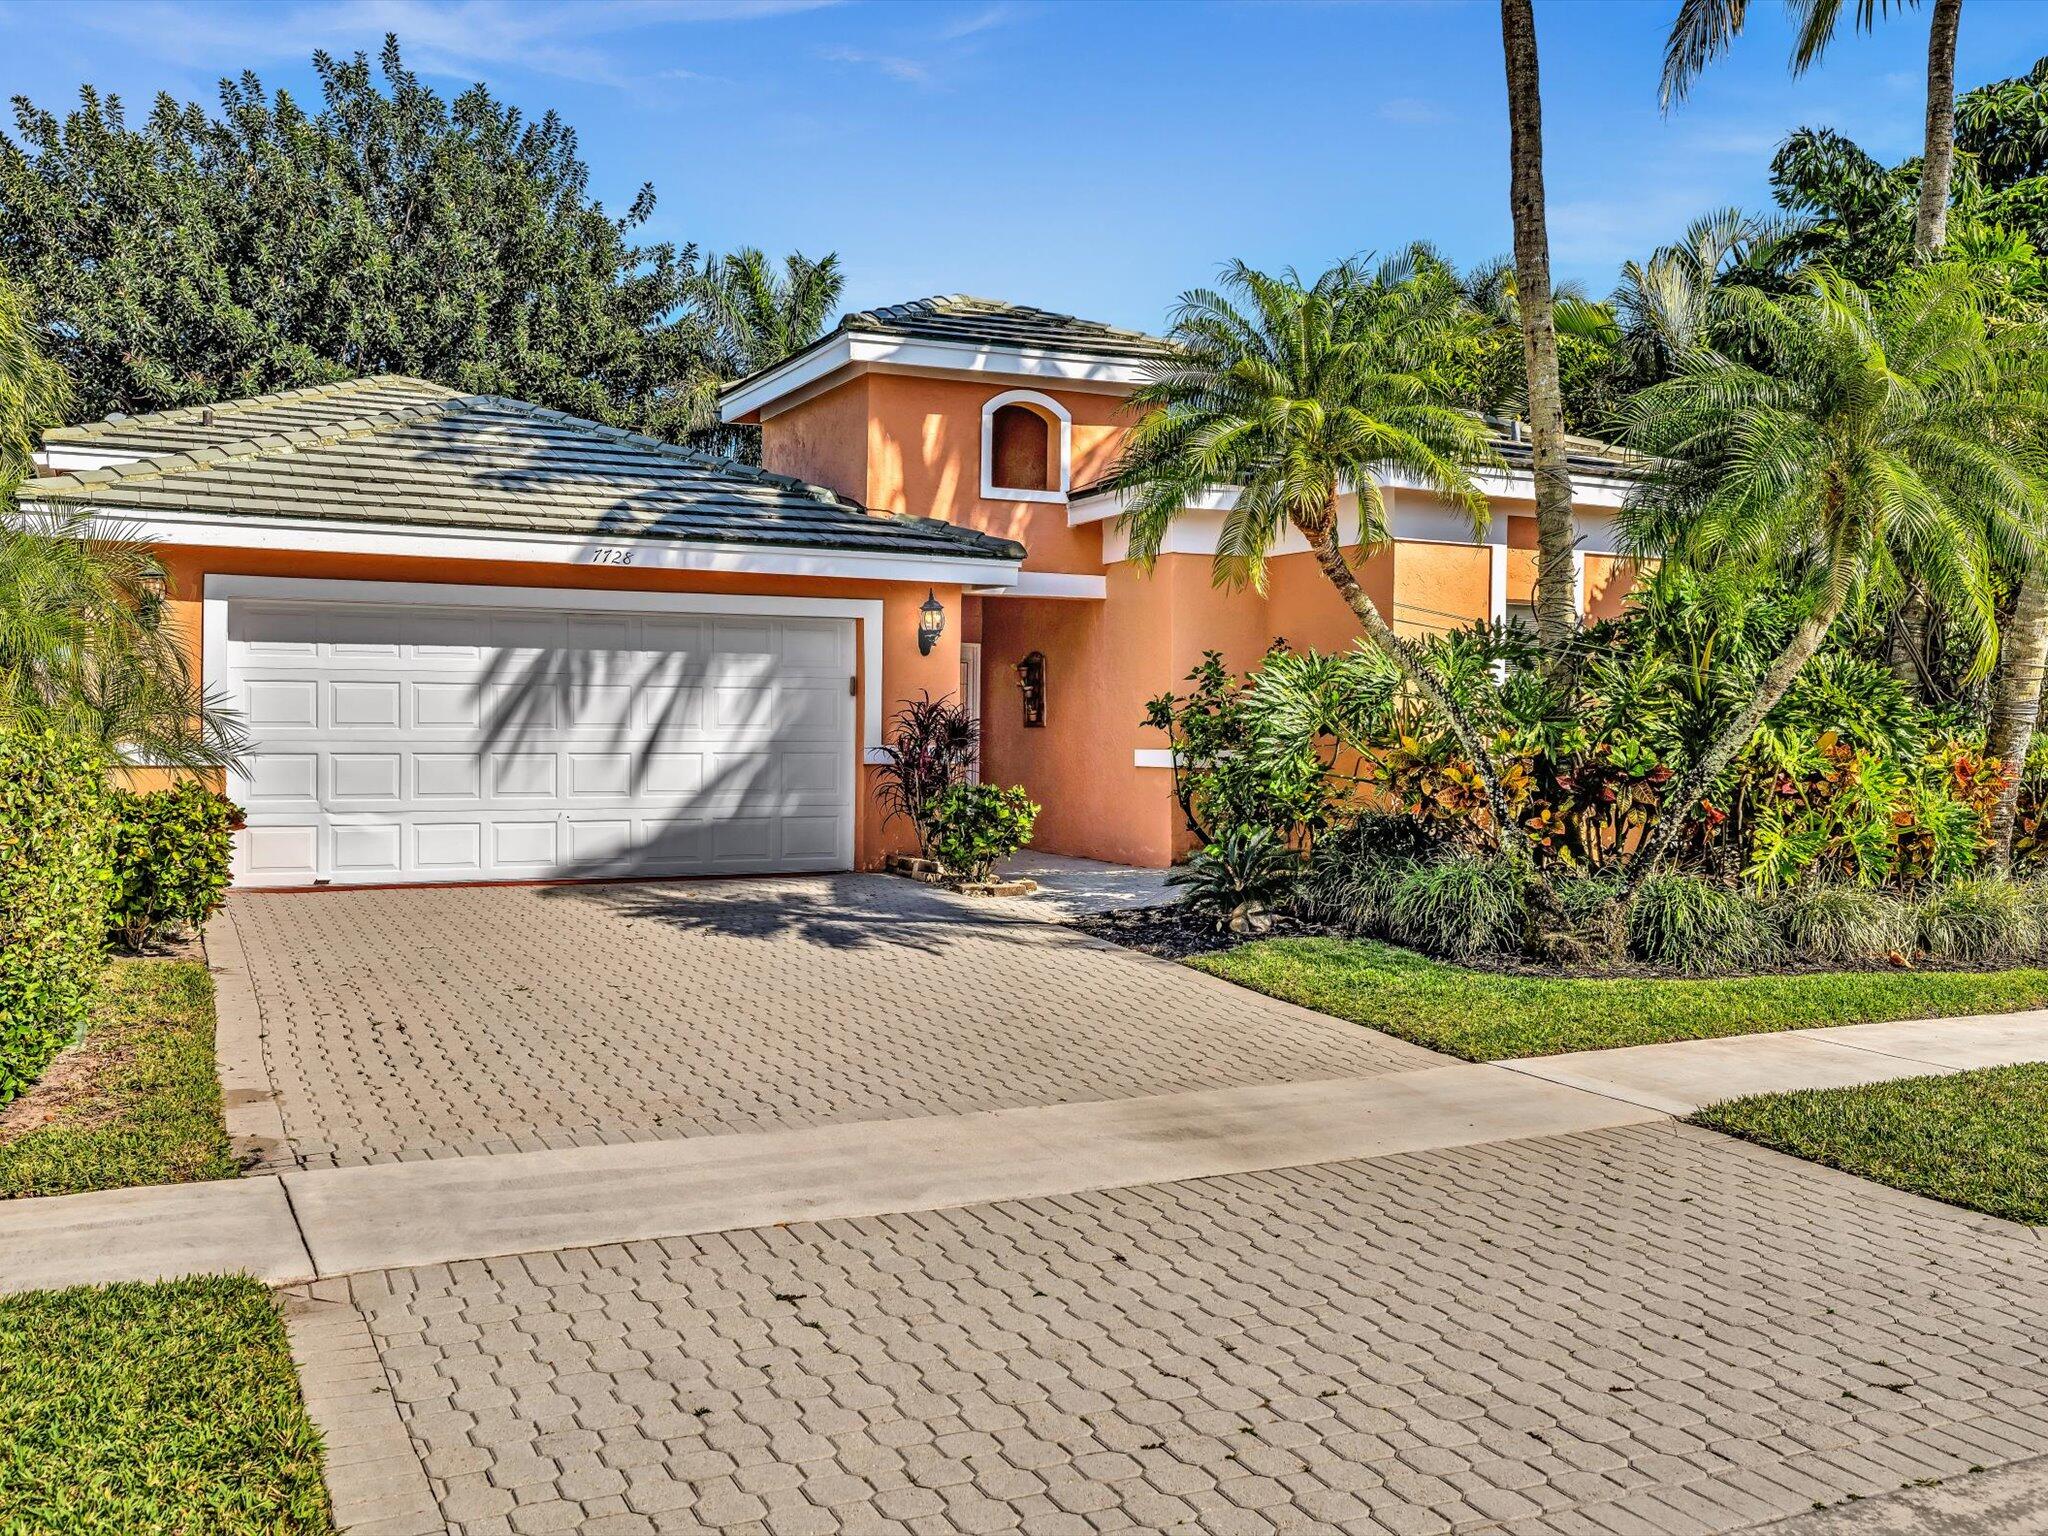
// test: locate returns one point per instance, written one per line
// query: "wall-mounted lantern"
(153, 584)
(1031, 682)
(931, 622)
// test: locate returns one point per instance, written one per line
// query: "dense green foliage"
(54, 829)
(165, 1407)
(1239, 878)
(933, 745)
(198, 255)
(1977, 1139)
(141, 1103)
(171, 849)
(974, 826)
(1484, 1016)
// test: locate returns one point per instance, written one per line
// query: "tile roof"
(991, 322)
(398, 450)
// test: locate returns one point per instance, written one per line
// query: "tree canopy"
(201, 255)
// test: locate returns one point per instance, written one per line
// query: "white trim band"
(326, 536)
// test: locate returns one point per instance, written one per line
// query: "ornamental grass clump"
(1698, 927)
(1977, 920)
(1844, 924)
(1459, 909)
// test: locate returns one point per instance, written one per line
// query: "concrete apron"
(304, 1225)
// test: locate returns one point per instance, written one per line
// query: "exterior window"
(1022, 455)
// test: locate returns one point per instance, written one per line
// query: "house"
(474, 639)
(1004, 420)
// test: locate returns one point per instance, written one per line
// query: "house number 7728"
(611, 556)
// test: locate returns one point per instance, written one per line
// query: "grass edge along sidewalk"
(1491, 1016)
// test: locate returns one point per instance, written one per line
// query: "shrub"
(170, 859)
(1844, 923)
(1239, 878)
(932, 744)
(1458, 909)
(1353, 869)
(1973, 920)
(54, 831)
(973, 825)
(1698, 927)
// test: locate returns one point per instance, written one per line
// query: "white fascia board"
(1413, 518)
(758, 397)
(70, 458)
(221, 590)
(323, 536)
(1061, 584)
(1587, 493)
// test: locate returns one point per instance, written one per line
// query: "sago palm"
(1871, 436)
(1294, 397)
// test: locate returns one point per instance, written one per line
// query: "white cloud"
(895, 66)
(445, 39)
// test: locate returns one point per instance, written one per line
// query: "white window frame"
(990, 491)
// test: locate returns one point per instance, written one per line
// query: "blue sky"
(1092, 157)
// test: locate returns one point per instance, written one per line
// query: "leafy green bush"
(1239, 878)
(1845, 923)
(973, 825)
(170, 859)
(54, 832)
(1974, 920)
(1698, 927)
(1459, 908)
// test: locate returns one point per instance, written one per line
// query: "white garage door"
(409, 743)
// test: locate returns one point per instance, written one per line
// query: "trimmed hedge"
(55, 831)
(171, 853)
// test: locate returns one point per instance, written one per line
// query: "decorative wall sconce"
(1031, 681)
(931, 622)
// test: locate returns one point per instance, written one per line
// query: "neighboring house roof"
(398, 450)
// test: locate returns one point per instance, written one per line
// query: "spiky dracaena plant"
(1294, 399)
(1874, 435)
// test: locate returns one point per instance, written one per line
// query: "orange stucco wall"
(904, 671)
(903, 443)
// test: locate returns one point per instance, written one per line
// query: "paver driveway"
(438, 1022)
(1642, 1332)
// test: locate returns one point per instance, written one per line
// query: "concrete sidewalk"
(315, 1223)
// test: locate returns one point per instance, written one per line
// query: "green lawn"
(1977, 1139)
(170, 1408)
(136, 1103)
(1485, 1017)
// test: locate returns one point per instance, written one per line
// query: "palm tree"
(84, 647)
(1877, 436)
(1704, 29)
(760, 316)
(1557, 618)
(1294, 396)
(1673, 304)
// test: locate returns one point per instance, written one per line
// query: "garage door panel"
(401, 744)
(447, 775)
(441, 705)
(366, 775)
(284, 780)
(449, 847)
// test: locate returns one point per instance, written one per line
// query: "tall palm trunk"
(1556, 606)
(1938, 159)
(1693, 784)
(1326, 540)
(2016, 703)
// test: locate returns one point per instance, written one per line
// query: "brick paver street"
(411, 1023)
(1650, 1330)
